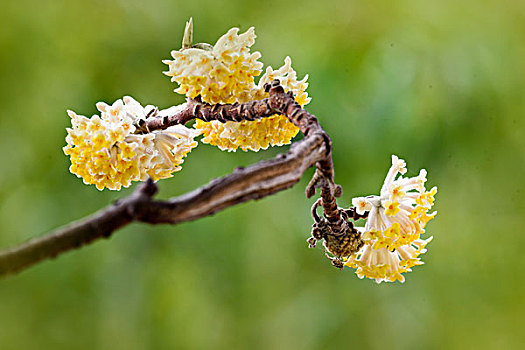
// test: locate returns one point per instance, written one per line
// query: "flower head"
(105, 150)
(219, 74)
(224, 73)
(396, 220)
(276, 130)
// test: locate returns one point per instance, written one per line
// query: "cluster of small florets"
(106, 151)
(276, 130)
(396, 220)
(219, 74)
(224, 73)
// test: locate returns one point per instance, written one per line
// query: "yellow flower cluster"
(276, 130)
(224, 74)
(396, 220)
(105, 150)
(219, 74)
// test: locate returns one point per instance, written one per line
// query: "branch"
(256, 181)
(74, 235)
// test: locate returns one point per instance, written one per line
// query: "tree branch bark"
(254, 182)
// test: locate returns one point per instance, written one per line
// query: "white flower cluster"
(106, 151)
(276, 130)
(219, 74)
(396, 219)
(288, 78)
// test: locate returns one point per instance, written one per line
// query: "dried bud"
(312, 242)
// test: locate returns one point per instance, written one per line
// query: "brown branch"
(244, 184)
(74, 235)
(253, 182)
(196, 109)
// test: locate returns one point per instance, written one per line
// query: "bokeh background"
(441, 84)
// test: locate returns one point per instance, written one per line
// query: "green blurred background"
(441, 84)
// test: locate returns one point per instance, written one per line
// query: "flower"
(224, 73)
(219, 74)
(105, 150)
(276, 130)
(396, 219)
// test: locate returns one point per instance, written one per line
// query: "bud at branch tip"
(187, 39)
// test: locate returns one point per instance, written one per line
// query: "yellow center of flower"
(392, 208)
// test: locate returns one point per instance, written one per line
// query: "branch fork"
(253, 182)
